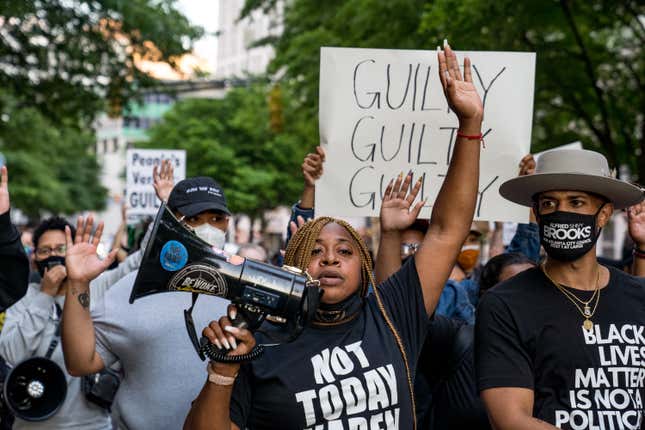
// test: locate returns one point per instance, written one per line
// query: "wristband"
(218, 379)
(479, 137)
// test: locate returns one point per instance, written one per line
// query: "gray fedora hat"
(574, 170)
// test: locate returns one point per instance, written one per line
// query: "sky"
(205, 14)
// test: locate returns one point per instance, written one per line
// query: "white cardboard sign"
(140, 194)
(383, 112)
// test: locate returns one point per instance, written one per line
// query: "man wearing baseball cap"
(201, 205)
(563, 345)
(161, 372)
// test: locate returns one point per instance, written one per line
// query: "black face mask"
(567, 236)
(48, 263)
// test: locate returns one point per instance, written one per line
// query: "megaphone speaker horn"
(35, 389)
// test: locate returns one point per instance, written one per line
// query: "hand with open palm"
(397, 211)
(459, 90)
(81, 260)
(163, 179)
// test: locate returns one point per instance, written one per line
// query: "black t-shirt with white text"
(349, 376)
(530, 335)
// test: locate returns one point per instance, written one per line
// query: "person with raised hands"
(32, 323)
(14, 265)
(160, 368)
(354, 366)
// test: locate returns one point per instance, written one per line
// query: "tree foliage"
(60, 62)
(590, 77)
(232, 140)
(65, 57)
(590, 65)
(52, 168)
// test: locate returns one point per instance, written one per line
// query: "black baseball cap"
(196, 195)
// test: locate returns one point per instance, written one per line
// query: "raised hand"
(636, 218)
(397, 212)
(4, 190)
(294, 227)
(81, 260)
(163, 179)
(460, 91)
(312, 167)
(527, 165)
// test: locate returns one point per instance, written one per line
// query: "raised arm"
(455, 205)
(83, 265)
(14, 265)
(636, 217)
(312, 169)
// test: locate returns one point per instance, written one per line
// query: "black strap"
(56, 339)
(190, 327)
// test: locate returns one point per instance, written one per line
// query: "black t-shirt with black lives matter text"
(350, 376)
(530, 335)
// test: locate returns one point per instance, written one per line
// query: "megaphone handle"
(243, 319)
(221, 355)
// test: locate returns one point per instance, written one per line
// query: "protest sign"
(140, 194)
(383, 112)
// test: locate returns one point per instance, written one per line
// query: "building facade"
(236, 55)
(114, 136)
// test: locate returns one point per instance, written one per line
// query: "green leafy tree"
(350, 23)
(590, 77)
(62, 62)
(51, 166)
(66, 57)
(590, 65)
(231, 140)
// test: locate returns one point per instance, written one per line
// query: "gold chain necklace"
(586, 312)
(585, 304)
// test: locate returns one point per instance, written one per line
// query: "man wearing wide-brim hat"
(563, 345)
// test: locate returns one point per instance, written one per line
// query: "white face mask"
(211, 235)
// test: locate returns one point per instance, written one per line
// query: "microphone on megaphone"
(35, 389)
(177, 260)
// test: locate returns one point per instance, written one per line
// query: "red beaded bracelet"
(479, 137)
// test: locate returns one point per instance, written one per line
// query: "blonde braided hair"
(298, 254)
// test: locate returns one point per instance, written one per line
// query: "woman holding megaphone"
(353, 367)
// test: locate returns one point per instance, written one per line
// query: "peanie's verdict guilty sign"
(140, 194)
(383, 112)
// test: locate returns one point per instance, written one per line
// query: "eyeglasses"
(409, 249)
(46, 251)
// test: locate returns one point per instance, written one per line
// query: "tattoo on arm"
(84, 300)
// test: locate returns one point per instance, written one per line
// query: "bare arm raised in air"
(83, 265)
(455, 205)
